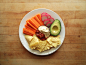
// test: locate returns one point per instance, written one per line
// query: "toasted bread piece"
(34, 43)
(41, 45)
(55, 41)
(28, 38)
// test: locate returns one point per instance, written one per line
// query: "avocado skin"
(51, 27)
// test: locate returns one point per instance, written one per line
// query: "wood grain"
(80, 23)
(79, 14)
(20, 7)
(42, 1)
(61, 55)
(73, 49)
(6, 22)
(48, 61)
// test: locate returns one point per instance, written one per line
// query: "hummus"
(45, 30)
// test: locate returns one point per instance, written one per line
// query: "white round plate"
(31, 14)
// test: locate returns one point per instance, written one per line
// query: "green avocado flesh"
(55, 28)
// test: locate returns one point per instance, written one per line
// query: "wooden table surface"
(73, 50)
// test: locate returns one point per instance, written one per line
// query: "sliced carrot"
(31, 29)
(39, 16)
(28, 31)
(31, 25)
(34, 22)
(37, 19)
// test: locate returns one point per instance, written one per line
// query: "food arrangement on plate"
(42, 32)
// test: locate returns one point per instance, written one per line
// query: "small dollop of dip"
(45, 30)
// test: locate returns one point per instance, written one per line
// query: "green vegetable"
(55, 28)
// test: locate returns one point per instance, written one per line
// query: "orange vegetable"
(31, 25)
(26, 31)
(29, 28)
(38, 20)
(34, 22)
(39, 16)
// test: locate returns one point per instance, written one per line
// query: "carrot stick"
(38, 20)
(31, 25)
(28, 31)
(28, 27)
(39, 16)
(34, 22)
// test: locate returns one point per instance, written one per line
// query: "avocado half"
(55, 28)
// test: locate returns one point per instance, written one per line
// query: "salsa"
(40, 35)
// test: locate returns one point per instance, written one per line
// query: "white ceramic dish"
(31, 14)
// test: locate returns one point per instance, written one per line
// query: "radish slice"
(46, 21)
(48, 24)
(44, 17)
(51, 19)
(44, 13)
(48, 16)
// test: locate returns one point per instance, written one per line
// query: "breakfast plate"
(31, 14)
